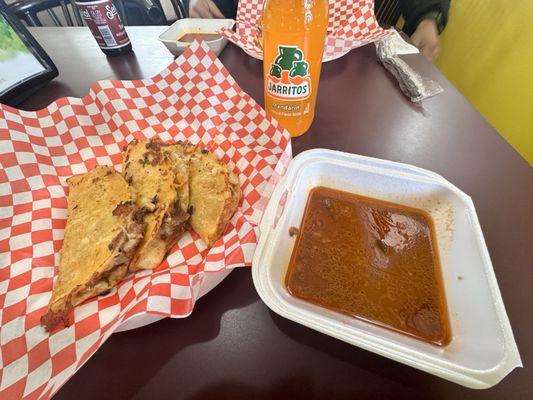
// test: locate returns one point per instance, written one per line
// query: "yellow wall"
(487, 53)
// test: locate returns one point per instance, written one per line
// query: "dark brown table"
(232, 346)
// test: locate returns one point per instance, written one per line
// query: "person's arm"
(213, 8)
(424, 21)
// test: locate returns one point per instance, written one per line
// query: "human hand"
(204, 9)
(426, 38)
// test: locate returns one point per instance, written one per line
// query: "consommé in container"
(177, 38)
(482, 350)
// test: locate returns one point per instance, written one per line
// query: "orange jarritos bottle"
(294, 32)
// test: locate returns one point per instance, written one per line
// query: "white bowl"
(195, 25)
(482, 349)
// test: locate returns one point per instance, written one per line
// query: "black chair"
(141, 12)
(27, 10)
(388, 12)
(132, 12)
(181, 8)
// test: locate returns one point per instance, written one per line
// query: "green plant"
(10, 43)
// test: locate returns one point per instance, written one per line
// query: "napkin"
(194, 99)
(352, 24)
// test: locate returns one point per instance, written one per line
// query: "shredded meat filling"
(122, 247)
(174, 224)
(125, 246)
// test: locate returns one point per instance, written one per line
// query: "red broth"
(372, 260)
(190, 37)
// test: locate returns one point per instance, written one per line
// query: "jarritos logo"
(288, 78)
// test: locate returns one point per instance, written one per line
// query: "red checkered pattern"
(194, 99)
(352, 24)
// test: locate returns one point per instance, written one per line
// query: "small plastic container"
(195, 25)
(482, 350)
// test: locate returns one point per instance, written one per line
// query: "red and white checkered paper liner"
(194, 99)
(352, 24)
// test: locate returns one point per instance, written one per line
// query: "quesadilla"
(102, 232)
(150, 173)
(180, 155)
(214, 191)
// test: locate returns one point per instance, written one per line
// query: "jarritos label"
(288, 77)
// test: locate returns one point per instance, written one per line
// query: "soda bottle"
(102, 18)
(294, 32)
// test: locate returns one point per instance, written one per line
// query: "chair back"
(136, 12)
(27, 11)
(387, 12)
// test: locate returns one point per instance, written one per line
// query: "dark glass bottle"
(102, 18)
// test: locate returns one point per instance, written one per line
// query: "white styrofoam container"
(482, 350)
(195, 25)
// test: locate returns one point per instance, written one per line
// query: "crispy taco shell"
(214, 195)
(151, 176)
(102, 231)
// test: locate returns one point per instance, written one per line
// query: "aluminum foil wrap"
(412, 84)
